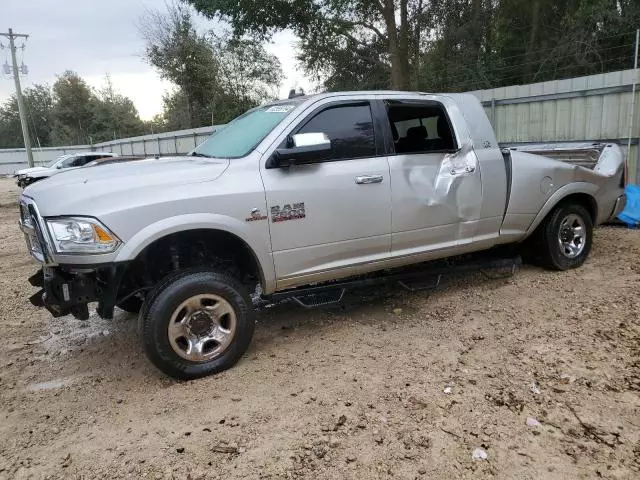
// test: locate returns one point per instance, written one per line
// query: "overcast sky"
(96, 37)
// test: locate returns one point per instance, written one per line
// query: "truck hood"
(91, 189)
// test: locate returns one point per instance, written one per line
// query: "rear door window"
(420, 127)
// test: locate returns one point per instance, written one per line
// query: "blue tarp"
(631, 213)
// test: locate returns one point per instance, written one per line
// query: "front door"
(435, 181)
(333, 217)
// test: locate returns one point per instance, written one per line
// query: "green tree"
(486, 43)
(459, 53)
(39, 105)
(113, 116)
(330, 25)
(72, 112)
(183, 56)
(246, 76)
(217, 77)
(339, 63)
(176, 113)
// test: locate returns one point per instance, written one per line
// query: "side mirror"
(306, 148)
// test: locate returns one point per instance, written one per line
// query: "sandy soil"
(329, 394)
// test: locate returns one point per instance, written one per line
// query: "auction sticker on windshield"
(280, 109)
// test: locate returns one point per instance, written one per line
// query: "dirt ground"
(405, 386)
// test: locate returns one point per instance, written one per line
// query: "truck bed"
(582, 154)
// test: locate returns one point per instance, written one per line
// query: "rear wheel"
(196, 323)
(565, 237)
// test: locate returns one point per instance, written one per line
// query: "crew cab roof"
(479, 128)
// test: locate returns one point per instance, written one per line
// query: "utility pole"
(21, 108)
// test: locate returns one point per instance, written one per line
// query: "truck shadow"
(114, 345)
(373, 307)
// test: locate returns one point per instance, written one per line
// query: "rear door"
(435, 179)
(335, 215)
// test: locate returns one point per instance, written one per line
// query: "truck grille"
(32, 233)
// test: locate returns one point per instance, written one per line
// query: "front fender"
(209, 221)
(563, 192)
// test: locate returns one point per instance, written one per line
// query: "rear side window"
(349, 127)
(82, 160)
(420, 127)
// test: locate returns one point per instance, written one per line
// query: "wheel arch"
(576, 193)
(211, 226)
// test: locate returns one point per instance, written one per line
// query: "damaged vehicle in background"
(313, 192)
(27, 176)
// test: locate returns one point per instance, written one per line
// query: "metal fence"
(595, 108)
(162, 144)
(170, 143)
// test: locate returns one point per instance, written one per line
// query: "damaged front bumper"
(69, 290)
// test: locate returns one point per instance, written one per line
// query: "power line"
(541, 62)
(560, 57)
(552, 49)
(515, 74)
(479, 85)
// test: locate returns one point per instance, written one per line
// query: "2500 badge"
(287, 212)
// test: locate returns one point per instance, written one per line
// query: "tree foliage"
(387, 28)
(490, 43)
(442, 44)
(69, 113)
(113, 115)
(216, 76)
(39, 105)
(72, 112)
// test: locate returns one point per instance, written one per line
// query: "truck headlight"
(81, 235)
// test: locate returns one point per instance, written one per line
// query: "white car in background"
(27, 176)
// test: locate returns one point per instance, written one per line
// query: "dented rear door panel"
(437, 198)
(436, 201)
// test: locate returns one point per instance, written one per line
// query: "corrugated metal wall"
(170, 143)
(594, 108)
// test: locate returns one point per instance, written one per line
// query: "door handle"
(366, 179)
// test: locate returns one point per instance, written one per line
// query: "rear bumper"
(618, 207)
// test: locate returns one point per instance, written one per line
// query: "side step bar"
(427, 278)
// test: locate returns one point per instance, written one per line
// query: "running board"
(420, 286)
(324, 299)
(413, 281)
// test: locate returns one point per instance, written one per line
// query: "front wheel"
(131, 305)
(196, 324)
(565, 237)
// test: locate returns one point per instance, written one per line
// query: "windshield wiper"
(198, 154)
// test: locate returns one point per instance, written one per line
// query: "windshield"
(53, 163)
(244, 133)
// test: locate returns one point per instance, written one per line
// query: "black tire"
(131, 305)
(165, 299)
(552, 255)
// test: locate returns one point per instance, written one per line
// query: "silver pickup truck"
(296, 193)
